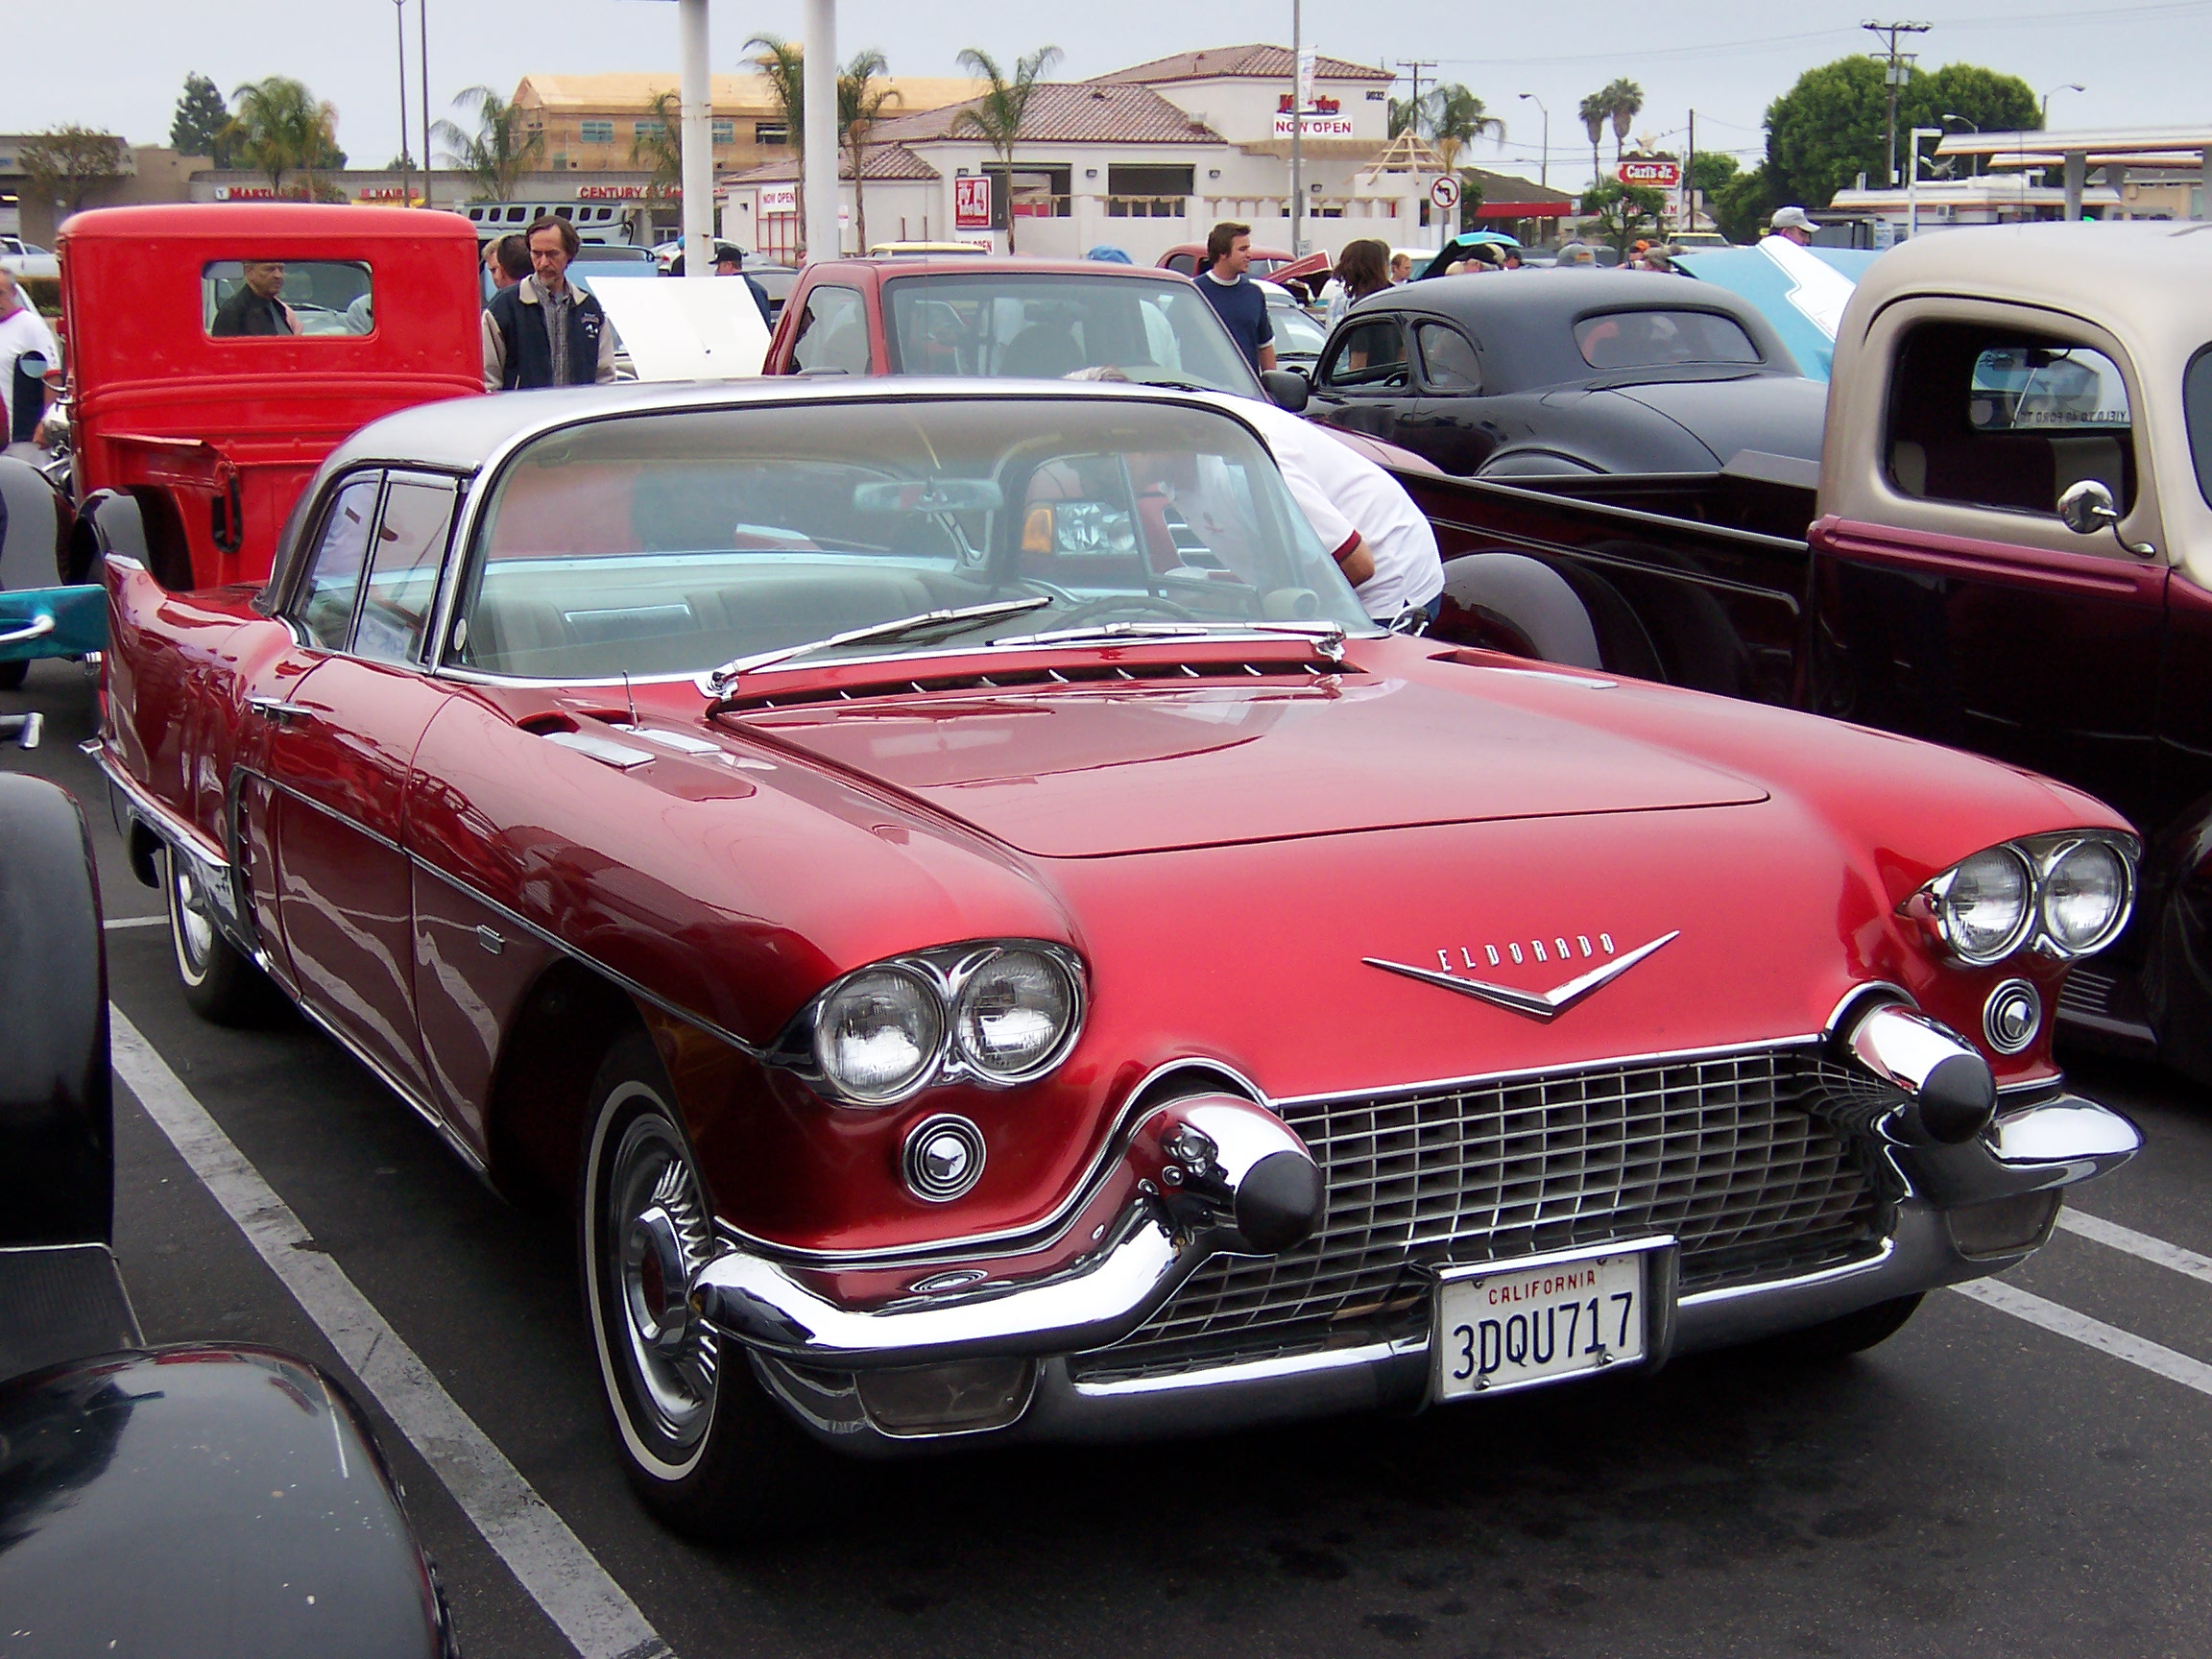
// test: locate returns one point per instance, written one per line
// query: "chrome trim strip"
(327, 810)
(1884, 1249)
(1253, 1370)
(159, 817)
(446, 1131)
(1597, 1062)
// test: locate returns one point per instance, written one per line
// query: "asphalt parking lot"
(2020, 1471)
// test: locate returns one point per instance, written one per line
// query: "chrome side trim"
(420, 1107)
(1279, 1365)
(327, 810)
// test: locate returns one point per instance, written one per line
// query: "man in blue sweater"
(1235, 296)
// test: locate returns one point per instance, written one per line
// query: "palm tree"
(860, 103)
(783, 66)
(1624, 101)
(1404, 116)
(1594, 112)
(659, 149)
(1456, 117)
(995, 117)
(282, 128)
(498, 153)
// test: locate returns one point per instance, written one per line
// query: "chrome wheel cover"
(189, 921)
(653, 1238)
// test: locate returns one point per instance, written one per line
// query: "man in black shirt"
(1237, 298)
(257, 308)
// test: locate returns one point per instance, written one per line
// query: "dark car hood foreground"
(1090, 773)
(1769, 414)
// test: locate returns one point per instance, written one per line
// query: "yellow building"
(592, 123)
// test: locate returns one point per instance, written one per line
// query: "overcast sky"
(119, 65)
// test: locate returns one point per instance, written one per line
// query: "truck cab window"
(259, 297)
(2007, 420)
(832, 332)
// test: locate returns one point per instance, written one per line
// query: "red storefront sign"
(972, 201)
(1660, 175)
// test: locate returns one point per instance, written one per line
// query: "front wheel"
(219, 982)
(710, 1453)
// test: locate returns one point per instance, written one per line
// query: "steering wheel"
(1138, 604)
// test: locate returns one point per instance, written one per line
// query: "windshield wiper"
(950, 621)
(1328, 636)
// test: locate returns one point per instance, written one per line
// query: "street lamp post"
(1974, 164)
(1913, 178)
(406, 174)
(1543, 166)
(2062, 86)
(423, 13)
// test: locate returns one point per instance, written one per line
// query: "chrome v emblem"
(1542, 1005)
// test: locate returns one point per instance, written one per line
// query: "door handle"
(276, 710)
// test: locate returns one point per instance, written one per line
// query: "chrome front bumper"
(814, 1354)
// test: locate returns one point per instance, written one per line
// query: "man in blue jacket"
(544, 331)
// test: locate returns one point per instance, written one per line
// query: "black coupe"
(1526, 373)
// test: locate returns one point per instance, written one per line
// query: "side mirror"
(2086, 508)
(1286, 389)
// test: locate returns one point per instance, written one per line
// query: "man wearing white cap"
(1792, 224)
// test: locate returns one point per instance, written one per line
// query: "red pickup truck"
(2009, 551)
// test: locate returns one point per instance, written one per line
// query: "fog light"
(2011, 1017)
(944, 1158)
(2003, 1226)
(958, 1399)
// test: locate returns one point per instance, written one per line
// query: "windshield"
(666, 544)
(1296, 334)
(1045, 326)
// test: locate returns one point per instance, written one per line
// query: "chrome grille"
(1719, 1151)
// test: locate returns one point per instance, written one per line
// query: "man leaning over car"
(543, 331)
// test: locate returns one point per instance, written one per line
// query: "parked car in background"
(190, 448)
(1298, 335)
(1185, 259)
(1568, 371)
(907, 856)
(2009, 551)
(24, 258)
(135, 1482)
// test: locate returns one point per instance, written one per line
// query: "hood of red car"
(1093, 771)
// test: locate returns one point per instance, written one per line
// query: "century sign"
(1663, 174)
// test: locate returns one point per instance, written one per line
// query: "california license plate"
(1516, 1324)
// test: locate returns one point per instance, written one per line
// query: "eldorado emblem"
(1541, 1005)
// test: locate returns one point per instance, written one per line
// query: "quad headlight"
(1000, 1013)
(2067, 894)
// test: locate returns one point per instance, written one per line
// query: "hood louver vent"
(1023, 679)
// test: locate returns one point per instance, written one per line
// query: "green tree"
(1455, 118)
(1831, 125)
(282, 128)
(1624, 102)
(659, 149)
(783, 66)
(65, 166)
(1711, 172)
(862, 100)
(1595, 114)
(198, 127)
(1740, 209)
(995, 117)
(1470, 202)
(498, 152)
(1623, 211)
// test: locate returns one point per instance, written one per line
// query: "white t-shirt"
(1344, 494)
(21, 330)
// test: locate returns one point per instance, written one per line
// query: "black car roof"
(1524, 320)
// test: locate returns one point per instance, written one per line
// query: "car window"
(1296, 333)
(1039, 328)
(403, 570)
(1370, 356)
(2003, 419)
(832, 332)
(1662, 339)
(281, 298)
(667, 544)
(333, 581)
(2196, 399)
(1448, 360)
(1184, 264)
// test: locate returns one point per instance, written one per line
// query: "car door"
(1951, 601)
(338, 766)
(1365, 380)
(1450, 417)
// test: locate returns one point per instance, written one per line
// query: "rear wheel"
(710, 1454)
(220, 983)
(1853, 1333)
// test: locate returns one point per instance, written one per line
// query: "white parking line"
(2092, 1332)
(550, 1562)
(114, 922)
(2141, 1246)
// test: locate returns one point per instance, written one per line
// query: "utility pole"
(423, 11)
(1297, 128)
(406, 174)
(1413, 67)
(1899, 67)
(1690, 176)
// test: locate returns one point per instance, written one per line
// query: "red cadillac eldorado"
(997, 944)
